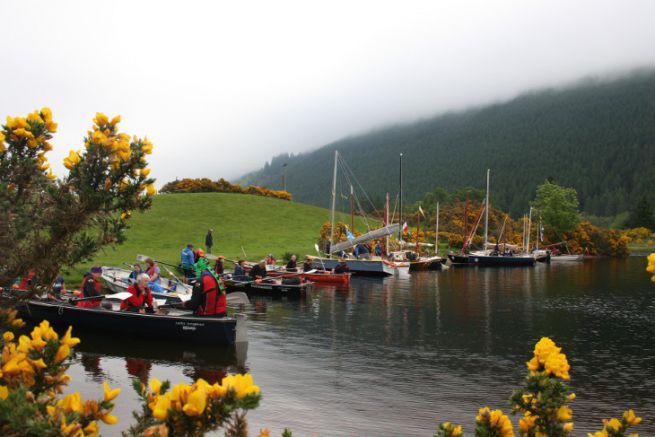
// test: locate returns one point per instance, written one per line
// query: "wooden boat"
(567, 258)
(433, 263)
(316, 276)
(274, 287)
(175, 325)
(363, 267)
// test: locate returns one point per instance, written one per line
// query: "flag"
(421, 211)
(405, 227)
(349, 235)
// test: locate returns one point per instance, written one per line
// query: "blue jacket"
(187, 257)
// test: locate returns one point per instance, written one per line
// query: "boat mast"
(418, 229)
(400, 195)
(436, 233)
(386, 223)
(334, 200)
(486, 215)
(352, 210)
(529, 229)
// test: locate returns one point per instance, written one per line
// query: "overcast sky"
(221, 87)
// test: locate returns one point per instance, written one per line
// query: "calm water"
(395, 356)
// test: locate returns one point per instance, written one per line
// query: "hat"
(189, 245)
(221, 256)
(201, 252)
(96, 269)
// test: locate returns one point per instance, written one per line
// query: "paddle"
(119, 296)
(318, 252)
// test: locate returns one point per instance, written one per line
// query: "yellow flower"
(72, 160)
(457, 431)
(572, 397)
(631, 418)
(264, 432)
(39, 364)
(100, 119)
(2, 137)
(146, 146)
(568, 427)
(564, 413)
(68, 339)
(62, 353)
(196, 403)
(613, 423)
(145, 172)
(4, 392)
(116, 120)
(8, 336)
(34, 117)
(91, 428)
(150, 190)
(46, 113)
(161, 407)
(241, 384)
(155, 385)
(110, 394)
(50, 175)
(71, 403)
(109, 419)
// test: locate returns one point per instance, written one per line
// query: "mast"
(352, 210)
(486, 215)
(529, 229)
(334, 200)
(400, 194)
(436, 233)
(386, 223)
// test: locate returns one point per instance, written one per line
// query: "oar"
(121, 296)
(318, 252)
(143, 258)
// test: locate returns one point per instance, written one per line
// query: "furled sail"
(372, 235)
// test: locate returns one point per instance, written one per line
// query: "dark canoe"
(273, 287)
(182, 327)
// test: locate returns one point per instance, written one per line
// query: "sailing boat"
(494, 257)
(373, 266)
(428, 262)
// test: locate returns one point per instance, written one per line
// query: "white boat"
(118, 279)
(567, 258)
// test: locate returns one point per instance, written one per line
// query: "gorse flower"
(549, 359)
(493, 423)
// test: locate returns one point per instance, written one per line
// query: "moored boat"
(274, 287)
(175, 325)
(316, 276)
(361, 267)
(567, 258)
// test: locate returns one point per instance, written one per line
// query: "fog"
(221, 87)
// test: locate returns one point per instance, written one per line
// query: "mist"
(221, 87)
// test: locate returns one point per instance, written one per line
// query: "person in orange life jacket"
(152, 270)
(218, 267)
(141, 297)
(208, 297)
(91, 287)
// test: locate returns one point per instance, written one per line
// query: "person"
(58, 287)
(27, 281)
(187, 260)
(208, 297)
(270, 260)
(209, 240)
(152, 270)
(91, 287)
(363, 251)
(292, 265)
(378, 249)
(307, 266)
(238, 269)
(141, 296)
(218, 267)
(258, 271)
(342, 266)
(136, 271)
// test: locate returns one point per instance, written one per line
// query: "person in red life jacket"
(91, 287)
(141, 299)
(219, 269)
(26, 281)
(208, 297)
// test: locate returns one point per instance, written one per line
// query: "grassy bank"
(258, 224)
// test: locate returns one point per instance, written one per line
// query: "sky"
(220, 87)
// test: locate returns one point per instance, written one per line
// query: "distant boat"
(567, 258)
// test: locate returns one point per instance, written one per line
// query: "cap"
(96, 269)
(201, 252)
(221, 256)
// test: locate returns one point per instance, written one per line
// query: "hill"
(596, 136)
(258, 224)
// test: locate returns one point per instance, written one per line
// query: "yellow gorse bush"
(32, 376)
(549, 360)
(650, 268)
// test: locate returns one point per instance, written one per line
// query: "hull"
(185, 328)
(328, 278)
(458, 258)
(501, 261)
(358, 266)
(567, 258)
(433, 264)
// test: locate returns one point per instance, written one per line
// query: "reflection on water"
(394, 356)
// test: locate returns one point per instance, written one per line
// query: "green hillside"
(261, 225)
(596, 136)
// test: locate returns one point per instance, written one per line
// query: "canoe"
(178, 326)
(317, 276)
(567, 258)
(274, 287)
(117, 280)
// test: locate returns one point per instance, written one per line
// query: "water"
(395, 356)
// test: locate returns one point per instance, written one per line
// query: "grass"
(258, 224)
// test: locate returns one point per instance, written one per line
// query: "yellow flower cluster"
(72, 159)
(651, 266)
(32, 131)
(549, 359)
(192, 400)
(104, 133)
(448, 429)
(495, 420)
(615, 426)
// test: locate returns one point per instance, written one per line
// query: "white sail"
(372, 235)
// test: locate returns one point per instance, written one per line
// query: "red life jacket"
(137, 300)
(91, 303)
(215, 299)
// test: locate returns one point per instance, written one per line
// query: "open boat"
(274, 287)
(174, 325)
(118, 279)
(316, 276)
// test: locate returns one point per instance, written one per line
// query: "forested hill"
(597, 136)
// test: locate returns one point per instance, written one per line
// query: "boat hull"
(501, 261)
(328, 278)
(220, 331)
(458, 258)
(359, 266)
(567, 258)
(432, 264)
(267, 288)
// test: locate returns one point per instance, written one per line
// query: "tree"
(558, 207)
(47, 223)
(641, 215)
